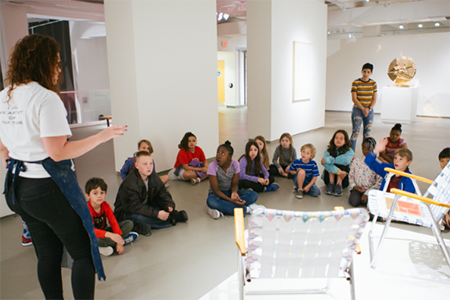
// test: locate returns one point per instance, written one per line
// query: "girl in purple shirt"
(253, 175)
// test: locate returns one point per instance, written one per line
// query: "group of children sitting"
(143, 202)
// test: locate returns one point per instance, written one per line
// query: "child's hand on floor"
(115, 237)
(163, 215)
(119, 249)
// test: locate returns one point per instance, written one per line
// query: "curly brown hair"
(34, 58)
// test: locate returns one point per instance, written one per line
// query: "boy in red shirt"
(118, 234)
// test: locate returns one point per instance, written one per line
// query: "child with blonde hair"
(305, 172)
(283, 156)
(143, 145)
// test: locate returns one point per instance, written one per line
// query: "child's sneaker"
(131, 237)
(330, 189)
(272, 187)
(26, 242)
(338, 190)
(143, 228)
(106, 251)
(194, 181)
(178, 216)
(254, 208)
(214, 213)
(166, 185)
(299, 194)
(26, 237)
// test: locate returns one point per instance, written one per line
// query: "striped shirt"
(311, 169)
(364, 90)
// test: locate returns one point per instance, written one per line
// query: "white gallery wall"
(272, 29)
(430, 52)
(157, 92)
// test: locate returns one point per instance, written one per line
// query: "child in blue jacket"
(336, 160)
(402, 160)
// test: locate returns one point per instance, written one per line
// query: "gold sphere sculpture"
(402, 69)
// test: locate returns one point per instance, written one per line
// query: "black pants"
(273, 170)
(255, 186)
(355, 199)
(53, 223)
(345, 183)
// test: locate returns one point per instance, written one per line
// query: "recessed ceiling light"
(219, 18)
(437, 24)
(400, 27)
(226, 16)
(329, 32)
(420, 25)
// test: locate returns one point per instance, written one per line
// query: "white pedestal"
(399, 104)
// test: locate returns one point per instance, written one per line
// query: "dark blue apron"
(63, 173)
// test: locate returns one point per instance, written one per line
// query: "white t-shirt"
(32, 113)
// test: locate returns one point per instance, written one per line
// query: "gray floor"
(189, 260)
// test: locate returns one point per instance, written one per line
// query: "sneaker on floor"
(106, 251)
(166, 185)
(194, 181)
(26, 242)
(255, 208)
(272, 187)
(214, 213)
(178, 216)
(338, 190)
(143, 228)
(330, 189)
(131, 237)
(299, 194)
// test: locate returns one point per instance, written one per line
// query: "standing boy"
(306, 172)
(364, 97)
(118, 234)
(444, 159)
(143, 199)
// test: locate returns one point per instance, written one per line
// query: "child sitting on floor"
(402, 160)
(224, 195)
(361, 178)
(336, 160)
(306, 172)
(143, 199)
(191, 162)
(283, 156)
(143, 145)
(444, 159)
(253, 174)
(395, 142)
(112, 237)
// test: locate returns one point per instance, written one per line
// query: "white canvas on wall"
(302, 71)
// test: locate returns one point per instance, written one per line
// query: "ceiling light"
(219, 18)
(400, 27)
(367, 0)
(226, 16)
(329, 32)
(437, 24)
(420, 25)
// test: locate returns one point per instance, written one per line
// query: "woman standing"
(41, 185)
